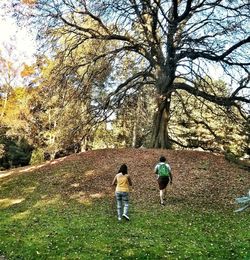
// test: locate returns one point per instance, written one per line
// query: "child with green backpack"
(163, 170)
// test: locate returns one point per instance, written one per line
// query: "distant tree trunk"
(52, 155)
(5, 95)
(136, 121)
(85, 143)
(134, 135)
(4, 107)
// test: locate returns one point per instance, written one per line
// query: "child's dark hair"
(123, 169)
(162, 159)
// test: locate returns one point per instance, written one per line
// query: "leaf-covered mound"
(201, 180)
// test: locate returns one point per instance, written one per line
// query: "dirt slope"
(201, 180)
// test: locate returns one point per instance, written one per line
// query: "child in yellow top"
(122, 181)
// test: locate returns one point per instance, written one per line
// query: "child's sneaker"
(125, 216)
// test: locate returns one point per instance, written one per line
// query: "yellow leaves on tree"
(27, 71)
(29, 2)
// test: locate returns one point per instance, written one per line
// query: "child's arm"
(170, 175)
(156, 169)
(129, 181)
(114, 181)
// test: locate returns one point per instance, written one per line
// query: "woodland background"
(126, 74)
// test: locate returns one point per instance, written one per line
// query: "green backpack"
(163, 170)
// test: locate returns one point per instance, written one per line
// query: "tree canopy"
(175, 44)
(163, 73)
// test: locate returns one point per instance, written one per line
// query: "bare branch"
(222, 101)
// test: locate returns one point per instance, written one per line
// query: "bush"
(37, 156)
(14, 153)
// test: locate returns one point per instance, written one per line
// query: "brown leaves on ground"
(200, 179)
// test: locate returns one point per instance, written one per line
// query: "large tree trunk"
(160, 137)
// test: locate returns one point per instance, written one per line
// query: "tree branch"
(222, 101)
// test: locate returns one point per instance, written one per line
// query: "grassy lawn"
(56, 212)
(59, 229)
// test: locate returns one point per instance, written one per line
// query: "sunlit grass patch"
(45, 201)
(29, 189)
(21, 215)
(82, 198)
(3, 175)
(5, 203)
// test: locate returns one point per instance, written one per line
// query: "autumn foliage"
(29, 2)
(27, 71)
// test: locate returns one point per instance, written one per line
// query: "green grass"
(40, 220)
(56, 228)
